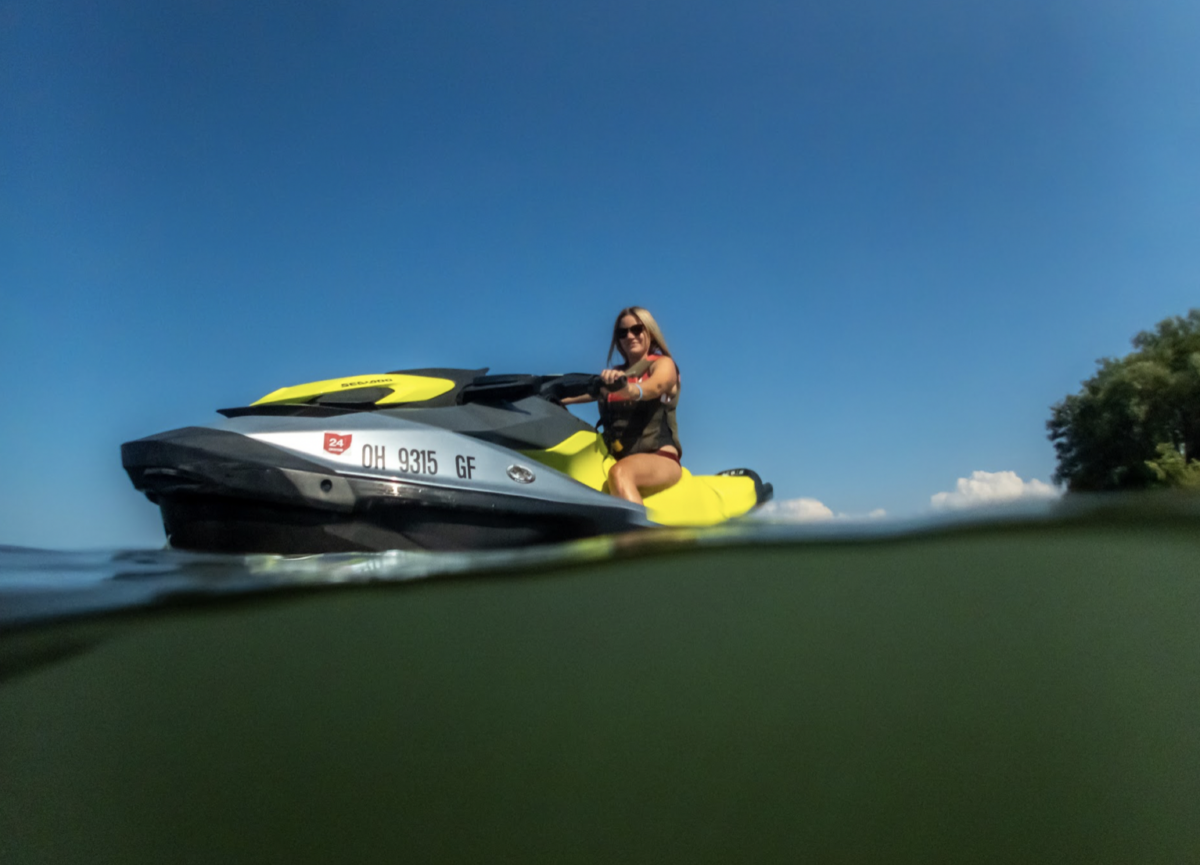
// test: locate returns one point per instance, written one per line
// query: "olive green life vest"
(640, 427)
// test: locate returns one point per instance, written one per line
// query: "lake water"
(1018, 687)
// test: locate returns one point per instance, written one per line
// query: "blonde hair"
(657, 340)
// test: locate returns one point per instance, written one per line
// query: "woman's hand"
(603, 386)
(611, 376)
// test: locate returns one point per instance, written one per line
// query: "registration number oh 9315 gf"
(414, 461)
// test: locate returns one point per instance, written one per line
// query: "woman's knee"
(620, 474)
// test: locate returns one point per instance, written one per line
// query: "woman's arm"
(663, 377)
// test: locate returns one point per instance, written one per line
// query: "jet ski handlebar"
(616, 384)
(555, 388)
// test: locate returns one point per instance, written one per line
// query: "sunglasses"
(636, 330)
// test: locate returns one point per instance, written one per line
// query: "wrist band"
(641, 394)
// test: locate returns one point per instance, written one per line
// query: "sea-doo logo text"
(337, 443)
(365, 382)
(520, 474)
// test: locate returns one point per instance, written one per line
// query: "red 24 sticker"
(337, 443)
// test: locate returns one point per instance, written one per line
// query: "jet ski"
(432, 459)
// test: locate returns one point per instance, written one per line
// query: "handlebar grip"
(598, 388)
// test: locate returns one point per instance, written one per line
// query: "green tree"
(1136, 423)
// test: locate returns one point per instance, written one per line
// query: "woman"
(638, 419)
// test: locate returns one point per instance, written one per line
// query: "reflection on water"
(38, 586)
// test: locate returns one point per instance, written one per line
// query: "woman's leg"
(640, 472)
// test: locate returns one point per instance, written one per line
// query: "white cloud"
(809, 511)
(991, 488)
(797, 510)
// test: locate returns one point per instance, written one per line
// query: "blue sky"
(882, 238)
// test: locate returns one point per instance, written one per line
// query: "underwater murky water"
(1021, 687)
